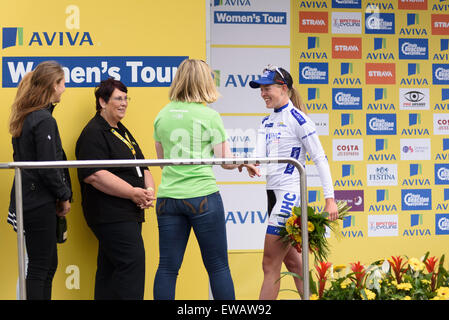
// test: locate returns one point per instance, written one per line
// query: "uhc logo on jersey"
(414, 49)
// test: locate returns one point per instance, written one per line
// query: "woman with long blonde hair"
(188, 196)
(46, 192)
(286, 132)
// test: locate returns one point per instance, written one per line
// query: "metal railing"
(18, 166)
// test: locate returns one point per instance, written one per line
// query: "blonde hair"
(296, 99)
(35, 92)
(193, 82)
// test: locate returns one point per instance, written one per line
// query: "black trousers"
(121, 261)
(40, 238)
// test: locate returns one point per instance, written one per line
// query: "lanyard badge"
(128, 143)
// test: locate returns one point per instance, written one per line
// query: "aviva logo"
(232, 3)
(349, 221)
(416, 227)
(15, 37)
(12, 37)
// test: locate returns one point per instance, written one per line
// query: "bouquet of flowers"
(317, 224)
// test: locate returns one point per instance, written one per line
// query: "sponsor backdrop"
(380, 71)
(138, 42)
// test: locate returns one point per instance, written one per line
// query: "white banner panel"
(234, 68)
(246, 215)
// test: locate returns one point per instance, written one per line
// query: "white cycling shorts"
(280, 204)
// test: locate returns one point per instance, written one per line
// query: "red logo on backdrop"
(380, 73)
(347, 48)
(440, 24)
(412, 4)
(313, 22)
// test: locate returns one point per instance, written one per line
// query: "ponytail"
(296, 99)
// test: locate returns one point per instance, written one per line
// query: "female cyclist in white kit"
(286, 132)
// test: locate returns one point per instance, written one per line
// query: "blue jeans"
(175, 218)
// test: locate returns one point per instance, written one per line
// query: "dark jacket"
(40, 141)
(97, 142)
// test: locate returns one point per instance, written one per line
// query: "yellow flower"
(425, 281)
(345, 283)
(404, 286)
(290, 221)
(370, 295)
(406, 298)
(443, 292)
(313, 297)
(416, 264)
(298, 238)
(310, 226)
(339, 267)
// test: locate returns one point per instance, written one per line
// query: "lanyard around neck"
(125, 140)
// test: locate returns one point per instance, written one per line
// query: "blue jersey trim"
(281, 108)
(295, 113)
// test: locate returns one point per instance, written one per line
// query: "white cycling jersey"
(288, 132)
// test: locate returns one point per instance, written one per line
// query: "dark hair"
(293, 93)
(105, 89)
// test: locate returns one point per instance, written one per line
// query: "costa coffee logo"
(347, 48)
(313, 22)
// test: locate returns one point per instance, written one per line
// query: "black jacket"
(97, 142)
(40, 141)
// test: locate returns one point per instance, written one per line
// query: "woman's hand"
(252, 169)
(62, 208)
(331, 208)
(142, 197)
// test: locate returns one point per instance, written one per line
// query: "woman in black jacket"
(46, 192)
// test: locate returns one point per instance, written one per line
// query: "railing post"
(304, 232)
(20, 233)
